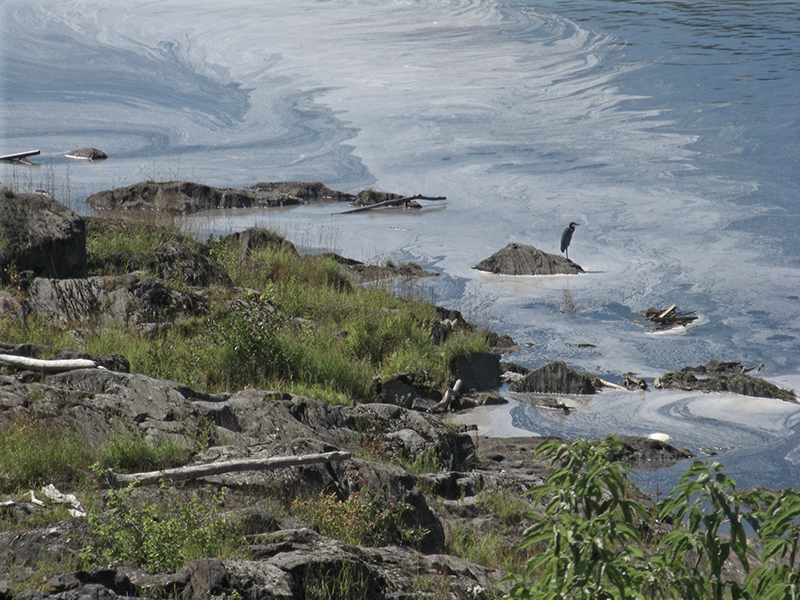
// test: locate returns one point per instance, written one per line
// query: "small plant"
(347, 581)
(588, 529)
(427, 462)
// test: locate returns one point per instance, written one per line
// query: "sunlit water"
(668, 130)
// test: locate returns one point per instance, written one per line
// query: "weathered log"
(19, 155)
(228, 466)
(448, 398)
(393, 202)
(46, 366)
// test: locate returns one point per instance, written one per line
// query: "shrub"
(592, 547)
(160, 537)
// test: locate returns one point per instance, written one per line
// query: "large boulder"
(184, 197)
(555, 378)
(39, 235)
(520, 259)
(478, 371)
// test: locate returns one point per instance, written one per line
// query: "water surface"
(668, 130)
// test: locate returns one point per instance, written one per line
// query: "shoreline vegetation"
(192, 335)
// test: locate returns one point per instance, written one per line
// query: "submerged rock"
(521, 259)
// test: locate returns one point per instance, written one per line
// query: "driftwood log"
(449, 396)
(394, 202)
(46, 366)
(228, 466)
(19, 156)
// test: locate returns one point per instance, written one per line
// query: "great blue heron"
(566, 237)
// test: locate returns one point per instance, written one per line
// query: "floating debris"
(668, 318)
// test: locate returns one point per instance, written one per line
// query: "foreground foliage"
(599, 541)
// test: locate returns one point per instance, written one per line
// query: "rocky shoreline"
(382, 436)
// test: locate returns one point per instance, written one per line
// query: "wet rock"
(183, 197)
(719, 376)
(307, 192)
(520, 259)
(556, 378)
(369, 197)
(89, 153)
(649, 454)
(39, 237)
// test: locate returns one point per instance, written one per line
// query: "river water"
(669, 130)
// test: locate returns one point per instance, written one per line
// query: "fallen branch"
(394, 202)
(228, 466)
(46, 366)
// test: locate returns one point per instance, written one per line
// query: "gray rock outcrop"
(520, 259)
(133, 300)
(41, 236)
(184, 197)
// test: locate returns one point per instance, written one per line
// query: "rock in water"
(520, 259)
(92, 154)
(556, 378)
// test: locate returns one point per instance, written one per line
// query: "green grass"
(35, 452)
(297, 324)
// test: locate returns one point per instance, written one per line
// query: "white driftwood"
(46, 366)
(393, 202)
(612, 385)
(19, 155)
(448, 398)
(228, 466)
(666, 312)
